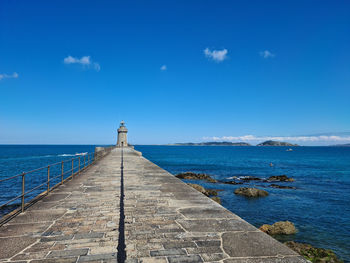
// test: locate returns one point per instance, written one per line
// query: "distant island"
(212, 144)
(266, 143)
(342, 145)
(276, 143)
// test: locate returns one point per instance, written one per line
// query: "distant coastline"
(342, 145)
(211, 144)
(266, 143)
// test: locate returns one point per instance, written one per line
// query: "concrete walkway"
(165, 221)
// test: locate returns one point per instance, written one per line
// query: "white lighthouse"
(122, 135)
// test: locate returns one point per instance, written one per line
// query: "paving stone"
(208, 243)
(168, 252)
(297, 259)
(183, 244)
(253, 244)
(39, 247)
(54, 197)
(32, 255)
(185, 259)
(212, 257)
(88, 235)
(153, 260)
(103, 250)
(13, 245)
(216, 225)
(204, 212)
(56, 260)
(200, 250)
(8, 230)
(102, 257)
(56, 238)
(68, 253)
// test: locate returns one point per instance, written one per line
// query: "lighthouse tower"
(122, 135)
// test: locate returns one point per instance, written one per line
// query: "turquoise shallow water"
(319, 207)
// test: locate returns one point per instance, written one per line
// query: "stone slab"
(253, 244)
(13, 245)
(33, 216)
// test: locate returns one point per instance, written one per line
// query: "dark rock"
(249, 178)
(195, 176)
(251, 192)
(314, 254)
(279, 228)
(230, 182)
(198, 187)
(279, 178)
(282, 186)
(211, 192)
(216, 199)
(207, 192)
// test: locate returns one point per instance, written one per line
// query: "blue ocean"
(319, 206)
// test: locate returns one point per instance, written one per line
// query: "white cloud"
(84, 60)
(14, 75)
(216, 55)
(266, 54)
(321, 138)
(163, 68)
(97, 66)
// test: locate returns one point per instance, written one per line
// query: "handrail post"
(48, 179)
(79, 165)
(84, 161)
(62, 172)
(72, 167)
(88, 159)
(23, 189)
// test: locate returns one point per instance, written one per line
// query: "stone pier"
(158, 219)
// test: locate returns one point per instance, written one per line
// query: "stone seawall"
(134, 211)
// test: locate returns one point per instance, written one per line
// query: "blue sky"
(175, 71)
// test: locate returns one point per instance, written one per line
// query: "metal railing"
(83, 162)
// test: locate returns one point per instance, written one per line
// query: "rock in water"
(281, 186)
(231, 182)
(195, 176)
(211, 192)
(207, 192)
(199, 188)
(216, 199)
(280, 178)
(314, 254)
(250, 178)
(279, 228)
(251, 192)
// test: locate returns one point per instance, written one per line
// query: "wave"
(72, 154)
(66, 154)
(78, 154)
(245, 177)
